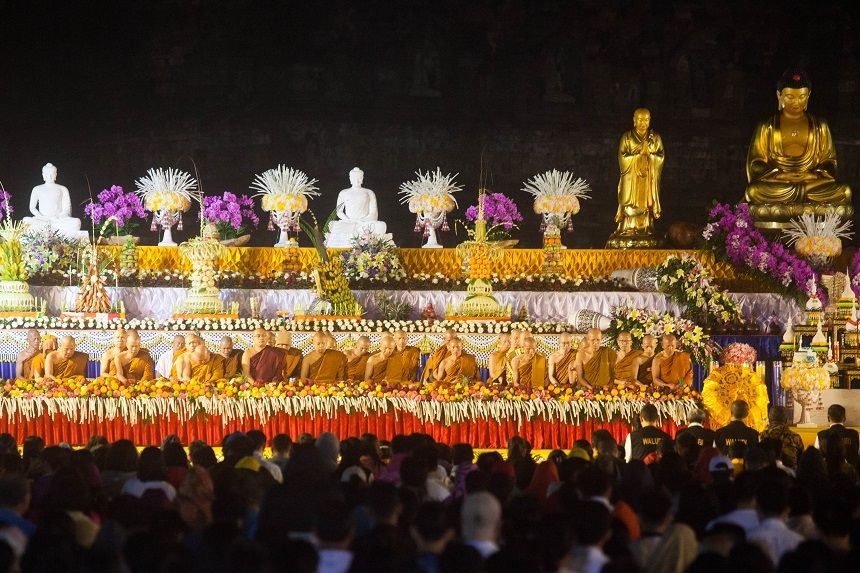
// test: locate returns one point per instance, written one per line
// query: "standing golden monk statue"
(791, 164)
(640, 157)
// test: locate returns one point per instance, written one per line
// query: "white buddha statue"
(52, 208)
(356, 213)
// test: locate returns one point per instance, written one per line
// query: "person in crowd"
(151, 475)
(704, 436)
(790, 444)
(849, 437)
(772, 533)
(334, 531)
(281, 445)
(164, 366)
(736, 431)
(648, 440)
(592, 525)
(258, 441)
(744, 515)
(480, 522)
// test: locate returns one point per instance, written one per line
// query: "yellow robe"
(328, 368)
(464, 367)
(292, 363)
(27, 372)
(534, 372)
(176, 355)
(355, 367)
(37, 367)
(674, 370)
(600, 370)
(503, 377)
(74, 367)
(140, 367)
(233, 364)
(209, 371)
(435, 359)
(379, 371)
(409, 358)
(624, 367)
(562, 367)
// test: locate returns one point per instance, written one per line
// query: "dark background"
(105, 90)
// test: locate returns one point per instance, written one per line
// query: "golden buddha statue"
(640, 157)
(791, 164)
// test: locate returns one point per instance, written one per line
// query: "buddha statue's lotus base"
(775, 216)
(633, 241)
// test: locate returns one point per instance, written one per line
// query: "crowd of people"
(705, 500)
(272, 358)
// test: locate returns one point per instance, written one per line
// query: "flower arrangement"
(732, 235)
(373, 259)
(12, 265)
(818, 239)
(170, 190)
(640, 322)
(284, 193)
(230, 213)
(48, 253)
(685, 280)
(805, 378)
(431, 198)
(500, 212)
(731, 382)
(557, 197)
(126, 209)
(6, 209)
(738, 353)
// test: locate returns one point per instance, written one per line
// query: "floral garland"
(731, 382)
(373, 258)
(685, 279)
(732, 235)
(640, 322)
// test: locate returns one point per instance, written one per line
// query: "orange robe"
(328, 368)
(624, 367)
(644, 374)
(600, 370)
(173, 373)
(562, 367)
(464, 367)
(74, 367)
(435, 359)
(292, 363)
(408, 358)
(27, 366)
(210, 371)
(140, 367)
(267, 365)
(379, 371)
(355, 367)
(37, 367)
(233, 364)
(503, 377)
(534, 373)
(675, 369)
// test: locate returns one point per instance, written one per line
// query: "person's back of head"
(836, 414)
(413, 472)
(655, 507)
(686, 441)
(480, 517)
(594, 481)
(518, 448)
(698, 416)
(463, 454)
(401, 444)
(334, 524)
(32, 448)
(174, 456)
(487, 460)
(204, 457)
(749, 558)
(649, 414)
(56, 457)
(258, 439)
(592, 523)
(737, 450)
(746, 486)
(458, 557)
(606, 445)
(431, 523)
(121, 456)
(150, 466)
(428, 455)
(281, 445)
(832, 517)
(772, 498)
(14, 492)
(96, 441)
(740, 410)
(757, 458)
(383, 501)
(777, 415)
(585, 446)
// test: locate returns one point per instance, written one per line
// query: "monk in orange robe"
(263, 363)
(24, 360)
(201, 364)
(232, 357)
(671, 367)
(595, 364)
(438, 356)
(408, 358)
(292, 356)
(106, 365)
(66, 362)
(356, 359)
(457, 365)
(133, 363)
(530, 367)
(646, 360)
(178, 358)
(498, 364)
(323, 364)
(377, 364)
(626, 361)
(37, 366)
(562, 362)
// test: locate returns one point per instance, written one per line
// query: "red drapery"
(480, 433)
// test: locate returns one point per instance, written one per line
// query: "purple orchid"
(126, 208)
(230, 213)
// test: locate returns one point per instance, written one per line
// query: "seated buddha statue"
(791, 163)
(356, 213)
(51, 207)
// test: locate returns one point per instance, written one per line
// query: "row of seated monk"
(272, 358)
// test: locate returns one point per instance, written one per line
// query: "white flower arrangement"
(557, 196)
(167, 190)
(818, 238)
(284, 189)
(431, 192)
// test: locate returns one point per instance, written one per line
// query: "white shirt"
(775, 538)
(436, 491)
(270, 467)
(136, 488)
(746, 518)
(164, 364)
(587, 560)
(628, 449)
(334, 561)
(485, 548)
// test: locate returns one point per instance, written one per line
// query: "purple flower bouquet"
(125, 208)
(230, 213)
(501, 214)
(5, 204)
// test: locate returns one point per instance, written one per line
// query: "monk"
(180, 362)
(517, 337)
(322, 364)
(292, 356)
(457, 365)
(200, 364)
(595, 364)
(530, 366)
(408, 358)
(164, 366)
(232, 357)
(272, 339)
(356, 359)
(24, 360)
(66, 362)
(499, 360)
(645, 360)
(438, 356)
(106, 366)
(562, 362)
(377, 364)
(134, 363)
(626, 361)
(48, 345)
(671, 367)
(263, 363)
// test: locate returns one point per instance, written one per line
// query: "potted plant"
(125, 208)
(231, 214)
